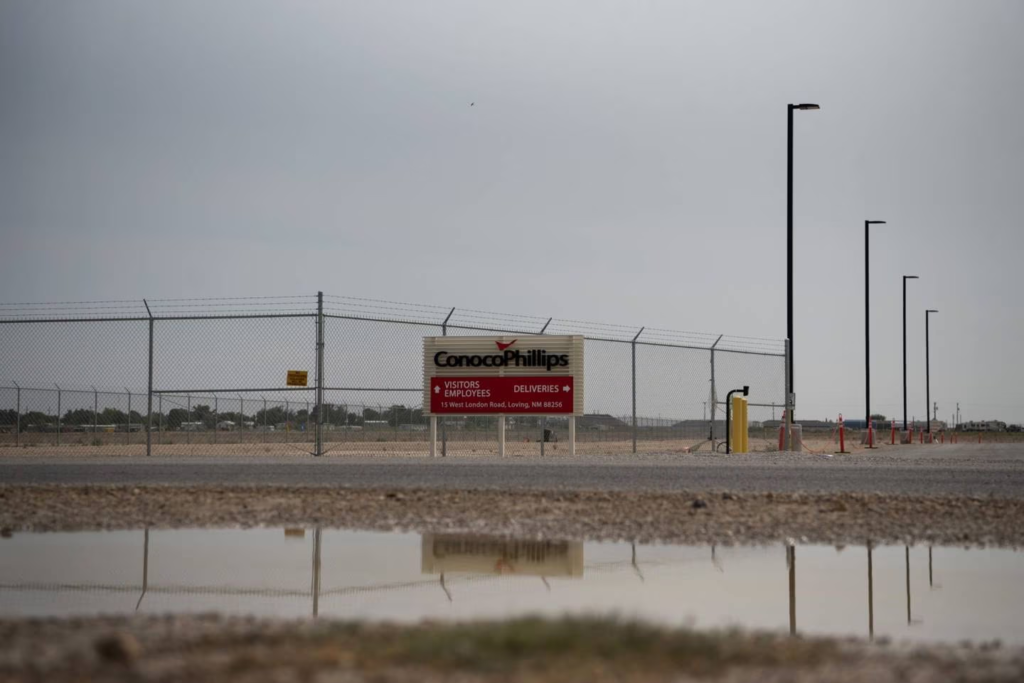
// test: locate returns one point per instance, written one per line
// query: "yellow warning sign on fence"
(297, 378)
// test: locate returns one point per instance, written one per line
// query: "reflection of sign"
(483, 555)
(297, 378)
(532, 374)
(475, 395)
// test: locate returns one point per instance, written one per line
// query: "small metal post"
(307, 421)
(188, 429)
(216, 412)
(95, 412)
(264, 418)
(286, 425)
(632, 345)
(241, 417)
(433, 436)
(160, 413)
(58, 414)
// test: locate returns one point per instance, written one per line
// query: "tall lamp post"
(789, 241)
(867, 330)
(927, 372)
(905, 278)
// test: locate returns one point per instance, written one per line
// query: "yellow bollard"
(734, 426)
(744, 431)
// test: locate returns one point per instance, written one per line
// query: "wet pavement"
(918, 593)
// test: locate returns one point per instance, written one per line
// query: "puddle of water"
(918, 593)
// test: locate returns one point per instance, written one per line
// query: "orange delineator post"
(893, 433)
(871, 435)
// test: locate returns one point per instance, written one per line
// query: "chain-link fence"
(206, 376)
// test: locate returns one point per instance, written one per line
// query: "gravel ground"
(189, 648)
(684, 517)
(963, 469)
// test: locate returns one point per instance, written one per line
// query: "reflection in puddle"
(917, 593)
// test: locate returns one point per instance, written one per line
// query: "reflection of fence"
(207, 376)
(448, 578)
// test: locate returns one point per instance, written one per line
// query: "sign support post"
(501, 436)
(433, 436)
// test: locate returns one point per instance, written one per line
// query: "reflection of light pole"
(791, 552)
(871, 597)
(927, 372)
(867, 332)
(145, 569)
(907, 549)
(316, 571)
(905, 278)
(789, 237)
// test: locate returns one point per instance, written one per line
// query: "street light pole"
(867, 328)
(927, 372)
(789, 238)
(905, 278)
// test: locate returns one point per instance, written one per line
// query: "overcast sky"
(614, 161)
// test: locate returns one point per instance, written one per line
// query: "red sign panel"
(500, 395)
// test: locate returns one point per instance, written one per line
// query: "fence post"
(17, 417)
(264, 418)
(58, 413)
(95, 412)
(216, 411)
(128, 431)
(632, 345)
(149, 388)
(444, 425)
(188, 430)
(318, 448)
(714, 397)
(160, 410)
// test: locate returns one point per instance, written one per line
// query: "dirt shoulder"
(188, 648)
(682, 517)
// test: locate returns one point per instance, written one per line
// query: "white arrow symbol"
(437, 390)
(566, 388)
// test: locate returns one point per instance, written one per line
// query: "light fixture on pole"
(789, 239)
(905, 278)
(928, 372)
(867, 330)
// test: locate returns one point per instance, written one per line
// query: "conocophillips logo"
(534, 358)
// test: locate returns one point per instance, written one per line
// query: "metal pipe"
(149, 390)
(927, 372)
(871, 597)
(58, 414)
(632, 345)
(128, 431)
(728, 415)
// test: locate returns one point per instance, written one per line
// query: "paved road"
(966, 470)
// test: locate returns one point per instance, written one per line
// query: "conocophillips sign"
(538, 374)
